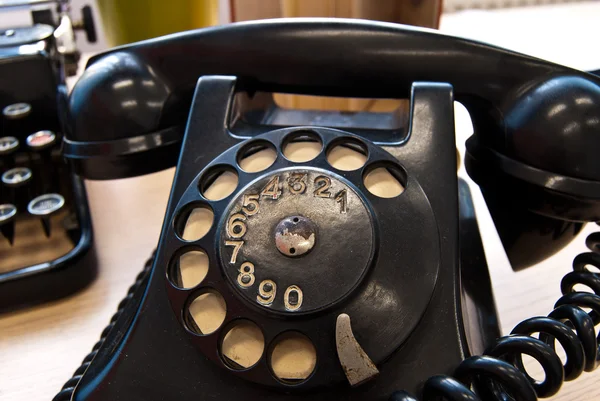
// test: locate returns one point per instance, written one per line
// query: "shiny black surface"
(155, 349)
(145, 87)
(483, 322)
(479, 315)
(527, 237)
(30, 77)
(341, 275)
(533, 153)
(328, 57)
(534, 121)
(554, 124)
(501, 375)
(18, 36)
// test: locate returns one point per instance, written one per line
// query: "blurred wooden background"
(424, 13)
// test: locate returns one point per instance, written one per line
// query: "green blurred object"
(127, 21)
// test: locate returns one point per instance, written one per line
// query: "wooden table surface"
(40, 347)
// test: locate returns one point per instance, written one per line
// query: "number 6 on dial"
(236, 228)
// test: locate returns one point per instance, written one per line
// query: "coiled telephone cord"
(500, 373)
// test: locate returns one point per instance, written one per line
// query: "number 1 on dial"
(342, 198)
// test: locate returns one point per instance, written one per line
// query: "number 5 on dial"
(250, 205)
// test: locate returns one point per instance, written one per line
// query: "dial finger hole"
(347, 155)
(188, 269)
(385, 181)
(256, 156)
(302, 146)
(243, 345)
(218, 183)
(206, 313)
(293, 357)
(194, 222)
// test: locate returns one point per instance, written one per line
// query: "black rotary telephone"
(305, 280)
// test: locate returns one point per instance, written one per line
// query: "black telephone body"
(392, 290)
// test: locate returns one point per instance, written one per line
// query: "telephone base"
(161, 360)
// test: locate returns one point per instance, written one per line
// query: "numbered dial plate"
(290, 249)
(296, 241)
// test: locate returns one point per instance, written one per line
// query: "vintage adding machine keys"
(44, 254)
(336, 256)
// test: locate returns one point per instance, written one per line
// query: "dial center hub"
(295, 236)
(297, 241)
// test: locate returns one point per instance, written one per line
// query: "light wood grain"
(29, 234)
(41, 347)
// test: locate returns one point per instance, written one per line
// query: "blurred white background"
(479, 19)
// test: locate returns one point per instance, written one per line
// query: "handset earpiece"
(540, 175)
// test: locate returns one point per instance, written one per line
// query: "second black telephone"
(288, 274)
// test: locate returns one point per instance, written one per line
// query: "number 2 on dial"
(322, 185)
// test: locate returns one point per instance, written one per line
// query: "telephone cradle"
(303, 279)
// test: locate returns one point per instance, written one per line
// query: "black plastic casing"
(147, 355)
(30, 72)
(127, 113)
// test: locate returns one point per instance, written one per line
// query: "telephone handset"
(287, 272)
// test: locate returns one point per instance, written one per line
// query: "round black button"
(8, 144)
(7, 212)
(41, 139)
(45, 204)
(16, 111)
(16, 176)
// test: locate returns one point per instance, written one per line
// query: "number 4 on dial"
(271, 190)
